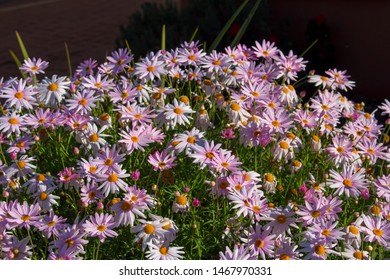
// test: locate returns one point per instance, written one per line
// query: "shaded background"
(354, 33)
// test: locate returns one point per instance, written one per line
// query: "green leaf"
(308, 48)
(245, 25)
(17, 61)
(194, 34)
(219, 37)
(163, 38)
(68, 59)
(21, 45)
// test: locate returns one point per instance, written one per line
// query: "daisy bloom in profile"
(385, 107)
(317, 249)
(100, 225)
(13, 249)
(34, 66)
(239, 252)
(161, 160)
(351, 253)
(164, 252)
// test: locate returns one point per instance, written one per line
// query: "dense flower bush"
(191, 155)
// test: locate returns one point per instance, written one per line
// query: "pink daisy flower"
(161, 160)
(24, 215)
(82, 102)
(225, 161)
(348, 182)
(34, 66)
(12, 124)
(376, 229)
(261, 241)
(239, 252)
(111, 182)
(100, 225)
(19, 95)
(148, 69)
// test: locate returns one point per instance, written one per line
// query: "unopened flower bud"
(135, 175)
(13, 155)
(186, 189)
(76, 150)
(5, 194)
(36, 138)
(154, 188)
(195, 202)
(100, 206)
(369, 248)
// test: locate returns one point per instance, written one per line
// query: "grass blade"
(68, 59)
(163, 42)
(218, 39)
(17, 61)
(244, 26)
(308, 48)
(21, 45)
(194, 34)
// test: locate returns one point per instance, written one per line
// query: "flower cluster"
(118, 151)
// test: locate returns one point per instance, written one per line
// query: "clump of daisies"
(185, 154)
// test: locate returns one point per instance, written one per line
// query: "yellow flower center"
(276, 123)
(181, 200)
(354, 230)
(315, 214)
(43, 196)
(51, 223)
(376, 210)
(108, 162)
(92, 169)
(40, 177)
(223, 185)
(126, 205)
(326, 232)
(101, 227)
(13, 121)
(91, 195)
(21, 164)
(151, 68)
(149, 229)
(281, 219)
(210, 155)
(19, 95)
(347, 182)
(162, 164)
(83, 102)
(184, 99)
(235, 107)
(284, 145)
(377, 232)
(269, 177)
(192, 57)
(259, 243)
(163, 250)
(178, 111)
(225, 164)
(284, 257)
(340, 150)
(94, 137)
(191, 140)
(112, 178)
(52, 87)
(320, 250)
(135, 139)
(25, 218)
(358, 255)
